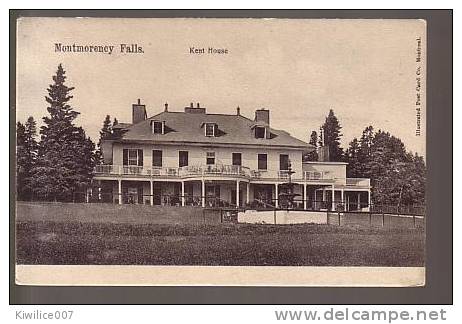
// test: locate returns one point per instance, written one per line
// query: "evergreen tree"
(331, 134)
(26, 156)
(66, 156)
(397, 177)
(314, 138)
(313, 155)
(115, 122)
(106, 132)
(352, 156)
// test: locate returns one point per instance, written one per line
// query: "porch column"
(203, 193)
(120, 191)
(305, 196)
(369, 199)
(237, 193)
(359, 201)
(276, 202)
(341, 193)
(315, 200)
(152, 192)
(333, 198)
(247, 198)
(182, 193)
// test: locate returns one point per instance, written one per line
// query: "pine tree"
(314, 138)
(26, 157)
(66, 156)
(115, 122)
(397, 177)
(331, 134)
(313, 155)
(105, 133)
(352, 156)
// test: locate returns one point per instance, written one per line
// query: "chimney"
(262, 115)
(139, 112)
(192, 110)
(238, 111)
(166, 107)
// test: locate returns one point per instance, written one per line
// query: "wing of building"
(194, 157)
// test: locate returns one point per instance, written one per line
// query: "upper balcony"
(358, 182)
(225, 171)
(173, 172)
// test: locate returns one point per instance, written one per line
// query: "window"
(156, 158)
(157, 127)
(133, 157)
(262, 162)
(260, 132)
(237, 159)
(210, 158)
(283, 162)
(209, 129)
(183, 158)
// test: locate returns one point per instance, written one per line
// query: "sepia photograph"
(237, 151)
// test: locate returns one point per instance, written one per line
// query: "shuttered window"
(133, 157)
(237, 159)
(262, 162)
(183, 158)
(284, 162)
(210, 159)
(156, 158)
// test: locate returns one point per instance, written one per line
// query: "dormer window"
(260, 132)
(158, 127)
(210, 129)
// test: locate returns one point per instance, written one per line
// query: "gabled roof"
(186, 128)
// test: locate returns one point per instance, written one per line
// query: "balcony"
(234, 171)
(317, 176)
(173, 172)
(358, 182)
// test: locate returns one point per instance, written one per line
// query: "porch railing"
(358, 182)
(225, 170)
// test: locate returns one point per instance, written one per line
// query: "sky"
(365, 70)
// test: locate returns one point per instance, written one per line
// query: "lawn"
(46, 242)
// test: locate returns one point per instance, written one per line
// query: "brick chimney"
(192, 110)
(262, 115)
(138, 112)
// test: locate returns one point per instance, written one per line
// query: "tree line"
(398, 177)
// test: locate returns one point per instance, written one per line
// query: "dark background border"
(439, 249)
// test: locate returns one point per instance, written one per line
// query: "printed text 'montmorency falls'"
(99, 49)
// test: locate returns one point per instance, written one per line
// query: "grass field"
(47, 242)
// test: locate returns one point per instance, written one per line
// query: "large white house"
(193, 157)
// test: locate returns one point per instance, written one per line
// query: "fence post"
(339, 224)
(370, 219)
(383, 218)
(275, 216)
(413, 216)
